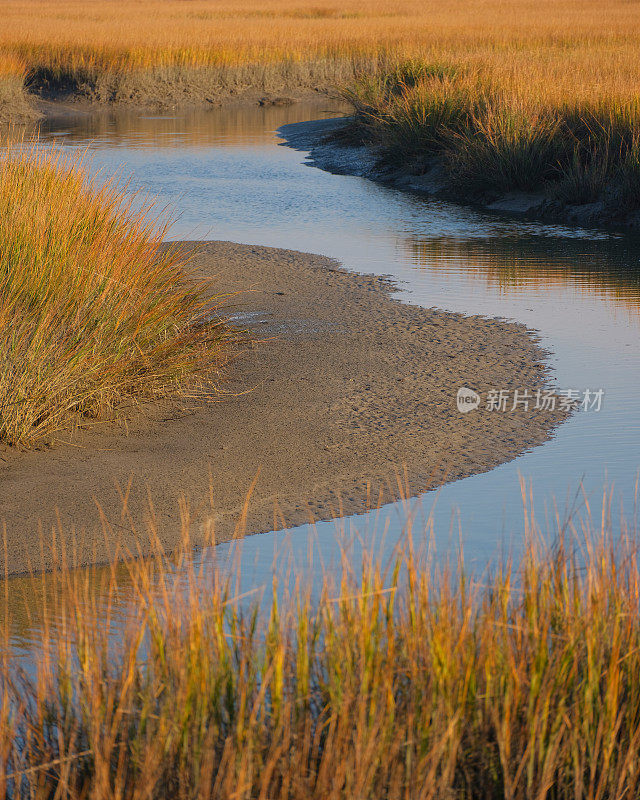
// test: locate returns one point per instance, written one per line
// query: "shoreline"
(326, 152)
(344, 389)
(193, 90)
(315, 137)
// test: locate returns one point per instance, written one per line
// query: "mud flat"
(343, 389)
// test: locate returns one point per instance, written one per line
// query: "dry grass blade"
(414, 680)
(94, 309)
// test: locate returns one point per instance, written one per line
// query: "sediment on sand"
(344, 391)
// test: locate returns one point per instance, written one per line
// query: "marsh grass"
(492, 140)
(540, 97)
(408, 679)
(94, 310)
(505, 148)
(411, 110)
(160, 50)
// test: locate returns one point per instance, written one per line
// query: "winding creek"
(228, 177)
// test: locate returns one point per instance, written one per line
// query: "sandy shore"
(345, 388)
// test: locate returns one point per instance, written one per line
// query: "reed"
(94, 310)
(414, 678)
(537, 97)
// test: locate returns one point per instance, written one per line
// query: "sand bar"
(345, 388)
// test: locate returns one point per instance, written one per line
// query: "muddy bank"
(344, 387)
(23, 108)
(42, 93)
(321, 138)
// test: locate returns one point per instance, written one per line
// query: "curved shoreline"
(337, 157)
(316, 138)
(346, 389)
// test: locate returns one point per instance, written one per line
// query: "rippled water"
(226, 176)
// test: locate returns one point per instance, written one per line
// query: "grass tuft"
(504, 148)
(94, 310)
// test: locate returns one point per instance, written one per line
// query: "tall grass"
(408, 109)
(94, 310)
(516, 96)
(414, 680)
(553, 51)
(492, 140)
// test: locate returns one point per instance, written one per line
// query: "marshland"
(248, 258)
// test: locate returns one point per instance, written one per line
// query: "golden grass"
(522, 69)
(494, 139)
(11, 66)
(414, 680)
(93, 309)
(579, 49)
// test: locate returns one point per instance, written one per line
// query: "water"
(227, 177)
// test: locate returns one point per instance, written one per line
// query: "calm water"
(226, 176)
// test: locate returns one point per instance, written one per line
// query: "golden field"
(553, 50)
(515, 95)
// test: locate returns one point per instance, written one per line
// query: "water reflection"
(608, 267)
(235, 127)
(226, 174)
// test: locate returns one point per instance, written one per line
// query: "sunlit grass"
(490, 139)
(514, 95)
(93, 309)
(412, 679)
(550, 51)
